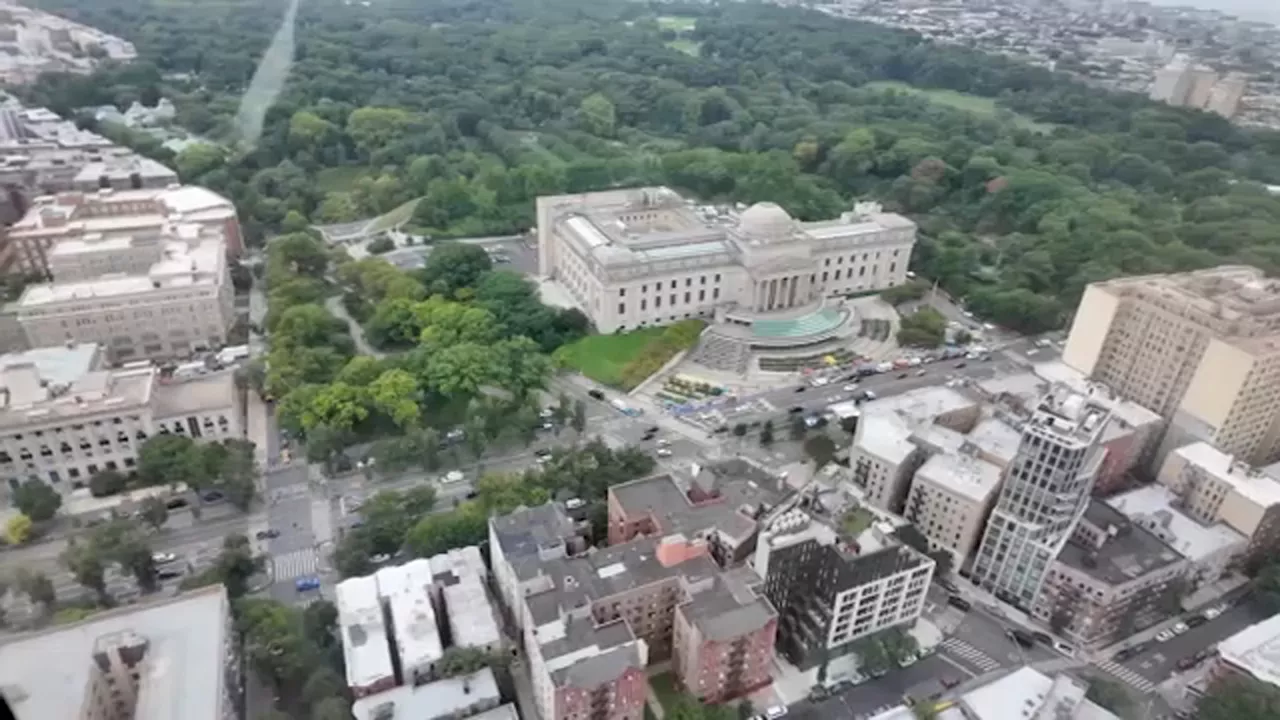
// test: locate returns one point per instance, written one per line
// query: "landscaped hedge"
(675, 338)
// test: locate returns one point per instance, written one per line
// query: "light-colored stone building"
(65, 417)
(1200, 348)
(1213, 548)
(646, 256)
(951, 496)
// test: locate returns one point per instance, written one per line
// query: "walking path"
(334, 305)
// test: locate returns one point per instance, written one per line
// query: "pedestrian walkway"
(973, 655)
(295, 564)
(1129, 677)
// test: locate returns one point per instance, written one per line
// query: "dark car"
(472, 494)
(596, 394)
(796, 410)
(1123, 655)
(1021, 637)
(903, 376)
(1196, 620)
(168, 574)
(653, 430)
(176, 503)
(956, 601)
(212, 496)
(949, 681)
(267, 534)
(947, 585)
(1042, 638)
(802, 388)
(961, 366)
(1188, 662)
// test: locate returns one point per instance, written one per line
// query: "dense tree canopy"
(479, 108)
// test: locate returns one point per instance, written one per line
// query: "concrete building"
(1200, 89)
(721, 503)
(646, 256)
(951, 496)
(835, 582)
(1044, 496)
(1250, 655)
(466, 696)
(1213, 549)
(113, 221)
(405, 591)
(1130, 438)
(1224, 98)
(591, 622)
(1027, 693)
(1112, 579)
(365, 647)
(129, 172)
(1213, 487)
(884, 458)
(1201, 348)
(168, 658)
(1172, 82)
(65, 417)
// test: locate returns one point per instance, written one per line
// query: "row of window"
(672, 285)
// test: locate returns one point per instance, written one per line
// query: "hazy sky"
(1268, 10)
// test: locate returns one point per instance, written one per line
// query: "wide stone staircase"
(720, 352)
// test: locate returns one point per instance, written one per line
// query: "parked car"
(267, 534)
(379, 558)
(168, 574)
(775, 711)
(1196, 620)
(161, 558)
(596, 394)
(1021, 637)
(1188, 662)
(1042, 637)
(664, 452)
(212, 496)
(1164, 636)
(956, 601)
(176, 503)
(1180, 628)
(303, 584)
(1064, 648)
(453, 476)
(1212, 613)
(949, 681)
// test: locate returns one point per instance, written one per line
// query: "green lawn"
(688, 47)
(602, 357)
(856, 520)
(397, 216)
(960, 101)
(338, 179)
(678, 23)
(664, 687)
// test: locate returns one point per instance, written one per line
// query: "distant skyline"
(1265, 10)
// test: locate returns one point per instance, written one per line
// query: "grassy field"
(677, 23)
(398, 216)
(688, 47)
(960, 101)
(338, 179)
(602, 357)
(664, 688)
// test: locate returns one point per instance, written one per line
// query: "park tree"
(579, 419)
(154, 512)
(1239, 699)
(821, 449)
(107, 482)
(17, 530)
(37, 500)
(168, 459)
(452, 266)
(1110, 695)
(37, 587)
(86, 565)
(798, 428)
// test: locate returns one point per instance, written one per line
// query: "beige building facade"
(647, 256)
(950, 498)
(1200, 348)
(65, 417)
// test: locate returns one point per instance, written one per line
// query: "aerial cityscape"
(865, 360)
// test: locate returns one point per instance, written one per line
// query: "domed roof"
(765, 220)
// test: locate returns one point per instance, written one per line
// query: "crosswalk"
(1127, 676)
(295, 564)
(971, 654)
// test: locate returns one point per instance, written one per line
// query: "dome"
(765, 220)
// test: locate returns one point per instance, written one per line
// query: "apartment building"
(1214, 487)
(1044, 495)
(647, 256)
(475, 696)
(109, 220)
(592, 622)
(884, 458)
(458, 583)
(123, 172)
(1033, 694)
(1129, 439)
(1113, 578)
(65, 417)
(366, 648)
(1213, 549)
(835, 581)
(720, 503)
(1200, 348)
(1251, 656)
(951, 496)
(1225, 96)
(165, 658)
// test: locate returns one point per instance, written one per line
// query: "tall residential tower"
(1044, 496)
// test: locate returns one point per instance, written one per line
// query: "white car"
(1212, 613)
(161, 558)
(664, 452)
(775, 712)
(452, 476)
(1064, 648)
(851, 387)
(664, 443)
(380, 558)
(1180, 628)
(1164, 636)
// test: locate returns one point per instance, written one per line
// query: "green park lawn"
(677, 22)
(602, 357)
(975, 104)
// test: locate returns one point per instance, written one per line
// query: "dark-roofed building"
(720, 503)
(1111, 579)
(592, 620)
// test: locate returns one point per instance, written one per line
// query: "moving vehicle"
(267, 534)
(956, 601)
(212, 496)
(176, 503)
(161, 558)
(1021, 637)
(303, 584)
(1164, 636)
(453, 476)
(1064, 648)
(775, 711)
(573, 503)
(596, 394)
(1180, 628)
(168, 574)
(851, 387)
(664, 452)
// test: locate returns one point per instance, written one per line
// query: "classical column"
(795, 282)
(773, 293)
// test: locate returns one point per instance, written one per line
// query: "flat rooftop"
(181, 267)
(582, 654)
(996, 440)
(1258, 487)
(45, 674)
(57, 365)
(471, 617)
(729, 608)
(962, 475)
(1155, 507)
(740, 492)
(185, 396)
(364, 635)
(1256, 651)
(1027, 693)
(25, 400)
(1070, 415)
(451, 697)
(1129, 554)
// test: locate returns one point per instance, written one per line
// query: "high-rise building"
(1203, 80)
(1200, 348)
(170, 658)
(1172, 82)
(1044, 496)
(1224, 98)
